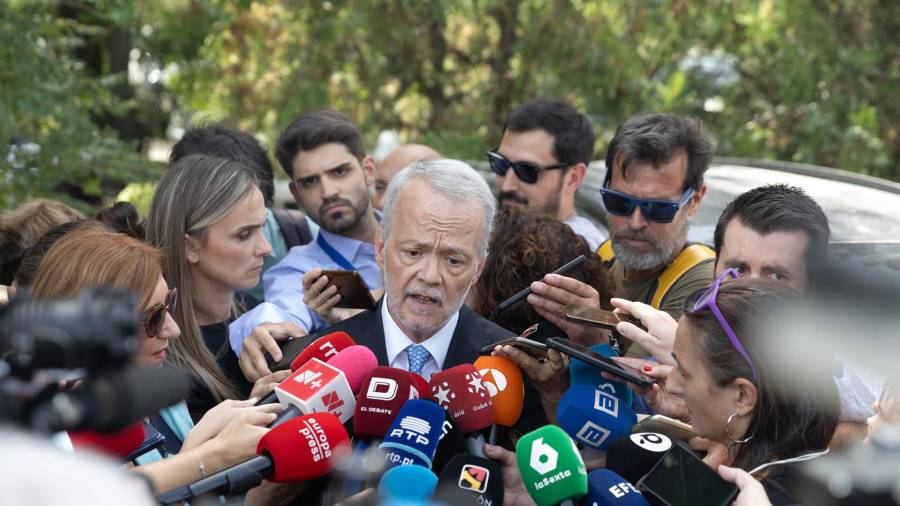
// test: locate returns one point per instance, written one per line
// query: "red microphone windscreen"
(382, 395)
(461, 391)
(118, 444)
(323, 348)
(304, 448)
(503, 379)
(356, 362)
(421, 385)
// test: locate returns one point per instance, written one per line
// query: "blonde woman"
(207, 216)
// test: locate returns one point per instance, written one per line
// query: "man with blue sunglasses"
(542, 160)
(653, 187)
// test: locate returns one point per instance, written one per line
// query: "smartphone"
(599, 317)
(289, 351)
(153, 440)
(680, 478)
(597, 360)
(534, 348)
(352, 289)
(675, 429)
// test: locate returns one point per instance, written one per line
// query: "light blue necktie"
(417, 356)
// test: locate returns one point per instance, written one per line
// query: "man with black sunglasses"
(542, 159)
(653, 187)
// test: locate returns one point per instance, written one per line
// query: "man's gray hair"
(451, 179)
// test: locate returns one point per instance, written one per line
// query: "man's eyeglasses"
(708, 301)
(526, 172)
(156, 316)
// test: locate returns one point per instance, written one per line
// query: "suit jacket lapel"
(374, 334)
(461, 350)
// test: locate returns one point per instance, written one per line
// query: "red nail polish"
(648, 368)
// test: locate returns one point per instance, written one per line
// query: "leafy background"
(89, 88)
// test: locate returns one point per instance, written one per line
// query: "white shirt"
(586, 228)
(396, 341)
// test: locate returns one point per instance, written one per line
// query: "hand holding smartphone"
(606, 364)
(352, 289)
(599, 317)
(536, 349)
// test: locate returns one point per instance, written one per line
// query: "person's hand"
(752, 492)
(319, 296)
(550, 297)
(514, 492)
(716, 453)
(264, 340)
(550, 376)
(665, 397)
(658, 339)
(218, 417)
(238, 440)
(267, 383)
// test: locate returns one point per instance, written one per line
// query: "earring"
(728, 432)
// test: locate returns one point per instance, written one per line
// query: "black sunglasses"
(526, 172)
(156, 316)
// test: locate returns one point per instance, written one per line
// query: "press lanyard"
(335, 255)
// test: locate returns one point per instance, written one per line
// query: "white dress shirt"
(396, 341)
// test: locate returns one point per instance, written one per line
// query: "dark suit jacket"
(472, 333)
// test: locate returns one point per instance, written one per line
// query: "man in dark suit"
(431, 247)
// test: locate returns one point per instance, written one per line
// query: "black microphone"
(632, 457)
(468, 479)
(111, 403)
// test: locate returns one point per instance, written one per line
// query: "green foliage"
(48, 136)
(805, 80)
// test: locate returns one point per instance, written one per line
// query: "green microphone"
(551, 467)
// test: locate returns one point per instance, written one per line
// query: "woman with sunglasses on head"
(92, 255)
(733, 397)
(207, 216)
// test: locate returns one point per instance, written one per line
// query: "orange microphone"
(503, 380)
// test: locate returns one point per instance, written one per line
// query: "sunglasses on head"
(707, 301)
(156, 316)
(527, 172)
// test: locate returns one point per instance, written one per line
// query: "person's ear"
(694, 203)
(379, 248)
(368, 167)
(746, 396)
(574, 177)
(191, 249)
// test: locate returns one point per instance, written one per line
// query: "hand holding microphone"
(551, 467)
(323, 348)
(262, 341)
(217, 418)
(302, 448)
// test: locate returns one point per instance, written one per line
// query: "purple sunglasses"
(708, 301)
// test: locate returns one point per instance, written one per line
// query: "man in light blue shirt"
(330, 172)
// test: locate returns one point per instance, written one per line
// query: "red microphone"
(319, 387)
(118, 444)
(382, 395)
(323, 348)
(461, 391)
(301, 449)
(421, 385)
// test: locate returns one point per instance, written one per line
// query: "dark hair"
(12, 248)
(31, 260)
(790, 418)
(122, 217)
(573, 135)
(525, 245)
(778, 208)
(314, 129)
(656, 139)
(231, 144)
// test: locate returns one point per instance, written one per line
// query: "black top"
(216, 338)
(779, 485)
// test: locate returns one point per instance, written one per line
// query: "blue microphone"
(407, 484)
(412, 438)
(608, 488)
(581, 373)
(594, 417)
